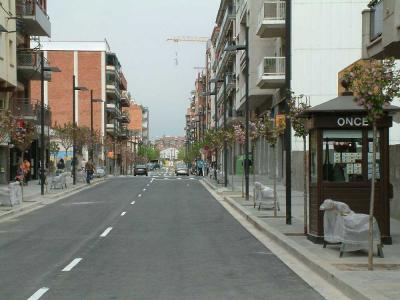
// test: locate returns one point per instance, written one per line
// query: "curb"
(43, 201)
(324, 270)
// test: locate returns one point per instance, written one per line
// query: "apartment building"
(8, 76)
(98, 69)
(21, 22)
(145, 125)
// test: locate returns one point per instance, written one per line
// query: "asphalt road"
(139, 238)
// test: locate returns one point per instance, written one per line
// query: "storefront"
(340, 162)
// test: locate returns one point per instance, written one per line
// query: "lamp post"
(74, 89)
(43, 69)
(247, 108)
(92, 100)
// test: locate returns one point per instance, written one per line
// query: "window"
(314, 157)
(342, 156)
(378, 156)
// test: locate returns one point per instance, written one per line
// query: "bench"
(350, 229)
(264, 196)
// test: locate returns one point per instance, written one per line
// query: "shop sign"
(352, 121)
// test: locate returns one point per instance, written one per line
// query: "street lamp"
(74, 89)
(43, 69)
(245, 47)
(92, 100)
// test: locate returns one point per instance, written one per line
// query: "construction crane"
(190, 39)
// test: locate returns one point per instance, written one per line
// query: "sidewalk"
(32, 198)
(349, 273)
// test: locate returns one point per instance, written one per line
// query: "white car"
(100, 172)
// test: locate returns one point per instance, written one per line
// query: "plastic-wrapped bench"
(59, 181)
(264, 196)
(345, 227)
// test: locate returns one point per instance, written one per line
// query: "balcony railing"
(26, 108)
(272, 18)
(36, 21)
(230, 81)
(376, 22)
(272, 72)
(230, 15)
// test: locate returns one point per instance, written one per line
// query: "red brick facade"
(60, 87)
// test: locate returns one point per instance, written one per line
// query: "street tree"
(375, 83)
(5, 126)
(297, 105)
(64, 134)
(271, 132)
(23, 133)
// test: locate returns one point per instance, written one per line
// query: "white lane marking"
(148, 184)
(133, 202)
(39, 293)
(72, 265)
(179, 178)
(140, 195)
(106, 232)
(123, 213)
(144, 190)
(191, 178)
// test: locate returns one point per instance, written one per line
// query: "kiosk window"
(342, 155)
(378, 156)
(313, 160)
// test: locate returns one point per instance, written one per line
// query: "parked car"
(150, 166)
(140, 170)
(100, 172)
(181, 169)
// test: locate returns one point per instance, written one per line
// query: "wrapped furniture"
(342, 225)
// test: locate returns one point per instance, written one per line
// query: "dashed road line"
(106, 232)
(123, 213)
(133, 202)
(71, 265)
(144, 190)
(140, 195)
(39, 293)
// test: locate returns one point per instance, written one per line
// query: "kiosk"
(340, 162)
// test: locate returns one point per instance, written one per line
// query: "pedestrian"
(27, 171)
(20, 174)
(89, 168)
(61, 164)
(200, 166)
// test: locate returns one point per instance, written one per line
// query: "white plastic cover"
(264, 195)
(342, 225)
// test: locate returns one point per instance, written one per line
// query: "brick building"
(99, 70)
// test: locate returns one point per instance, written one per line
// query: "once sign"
(352, 121)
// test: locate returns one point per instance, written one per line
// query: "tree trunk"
(305, 185)
(371, 205)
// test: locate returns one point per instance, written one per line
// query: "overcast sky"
(137, 31)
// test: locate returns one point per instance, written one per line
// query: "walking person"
(27, 171)
(89, 168)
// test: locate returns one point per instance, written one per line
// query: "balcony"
(112, 109)
(229, 17)
(125, 99)
(34, 19)
(124, 134)
(230, 81)
(227, 57)
(113, 91)
(30, 109)
(271, 73)
(125, 118)
(123, 84)
(272, 19)
(381, 30)
(28, 65)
